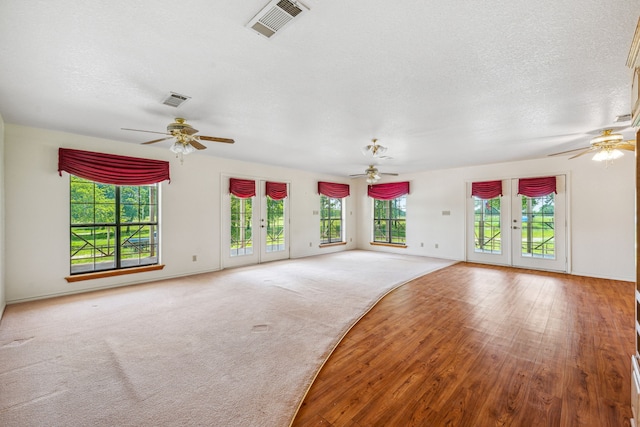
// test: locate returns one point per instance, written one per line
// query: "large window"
(389, 220)
(112, 226)
(331, 220)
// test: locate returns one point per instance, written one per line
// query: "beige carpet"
(232, 348)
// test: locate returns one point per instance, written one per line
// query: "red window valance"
(487, 189)
(112, 169)
(388, 191)
(332, 189)
(537, 187)
(276, 190)
(243, 188)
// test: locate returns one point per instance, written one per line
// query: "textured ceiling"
(442, 84)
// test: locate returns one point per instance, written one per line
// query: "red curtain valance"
(332, 189)
(388, 191)
(276, 190)
(537, 187)
(112, 169)
(487, 189)
(243, 188)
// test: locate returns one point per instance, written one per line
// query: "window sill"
(112, 273)
(390, 245)
(324, 245)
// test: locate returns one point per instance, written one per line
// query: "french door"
(517, 230)
(255, 229)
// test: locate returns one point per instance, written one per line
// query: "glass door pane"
(275, 241)
(538, 229)
(487, 226)
(241, 242)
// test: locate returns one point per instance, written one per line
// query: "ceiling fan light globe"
(176, 148)
(607, 155)
(181, 148)
(616, 154)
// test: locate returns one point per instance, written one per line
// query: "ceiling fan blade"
(195, 144)
(357, 175)
(157, 140)
(147, 131)
(388, 173)
(587, 150)
(216, 139)
(570, 151)
(629, 145)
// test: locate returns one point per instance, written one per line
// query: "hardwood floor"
(474, 345)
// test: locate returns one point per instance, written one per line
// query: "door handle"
(515, 227)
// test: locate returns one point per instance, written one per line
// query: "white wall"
(2, 244)
(601, 211)
(37, 212)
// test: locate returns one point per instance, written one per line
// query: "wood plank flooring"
(474, 345)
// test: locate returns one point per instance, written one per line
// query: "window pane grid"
(331, 220)
(275, 225)
(538, 227)
(389, 221)
(96, 228)
(487, 225)
(241, 227)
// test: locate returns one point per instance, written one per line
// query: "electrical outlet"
(310, 244)
(195, 258)
(422, 245)
(436, 246)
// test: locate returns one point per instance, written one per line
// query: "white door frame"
(559, 262)
(504, 257)
(510, 244)
(258, 219)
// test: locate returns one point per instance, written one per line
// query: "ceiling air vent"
(622, 118)
(275, 15)
(175, 99)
